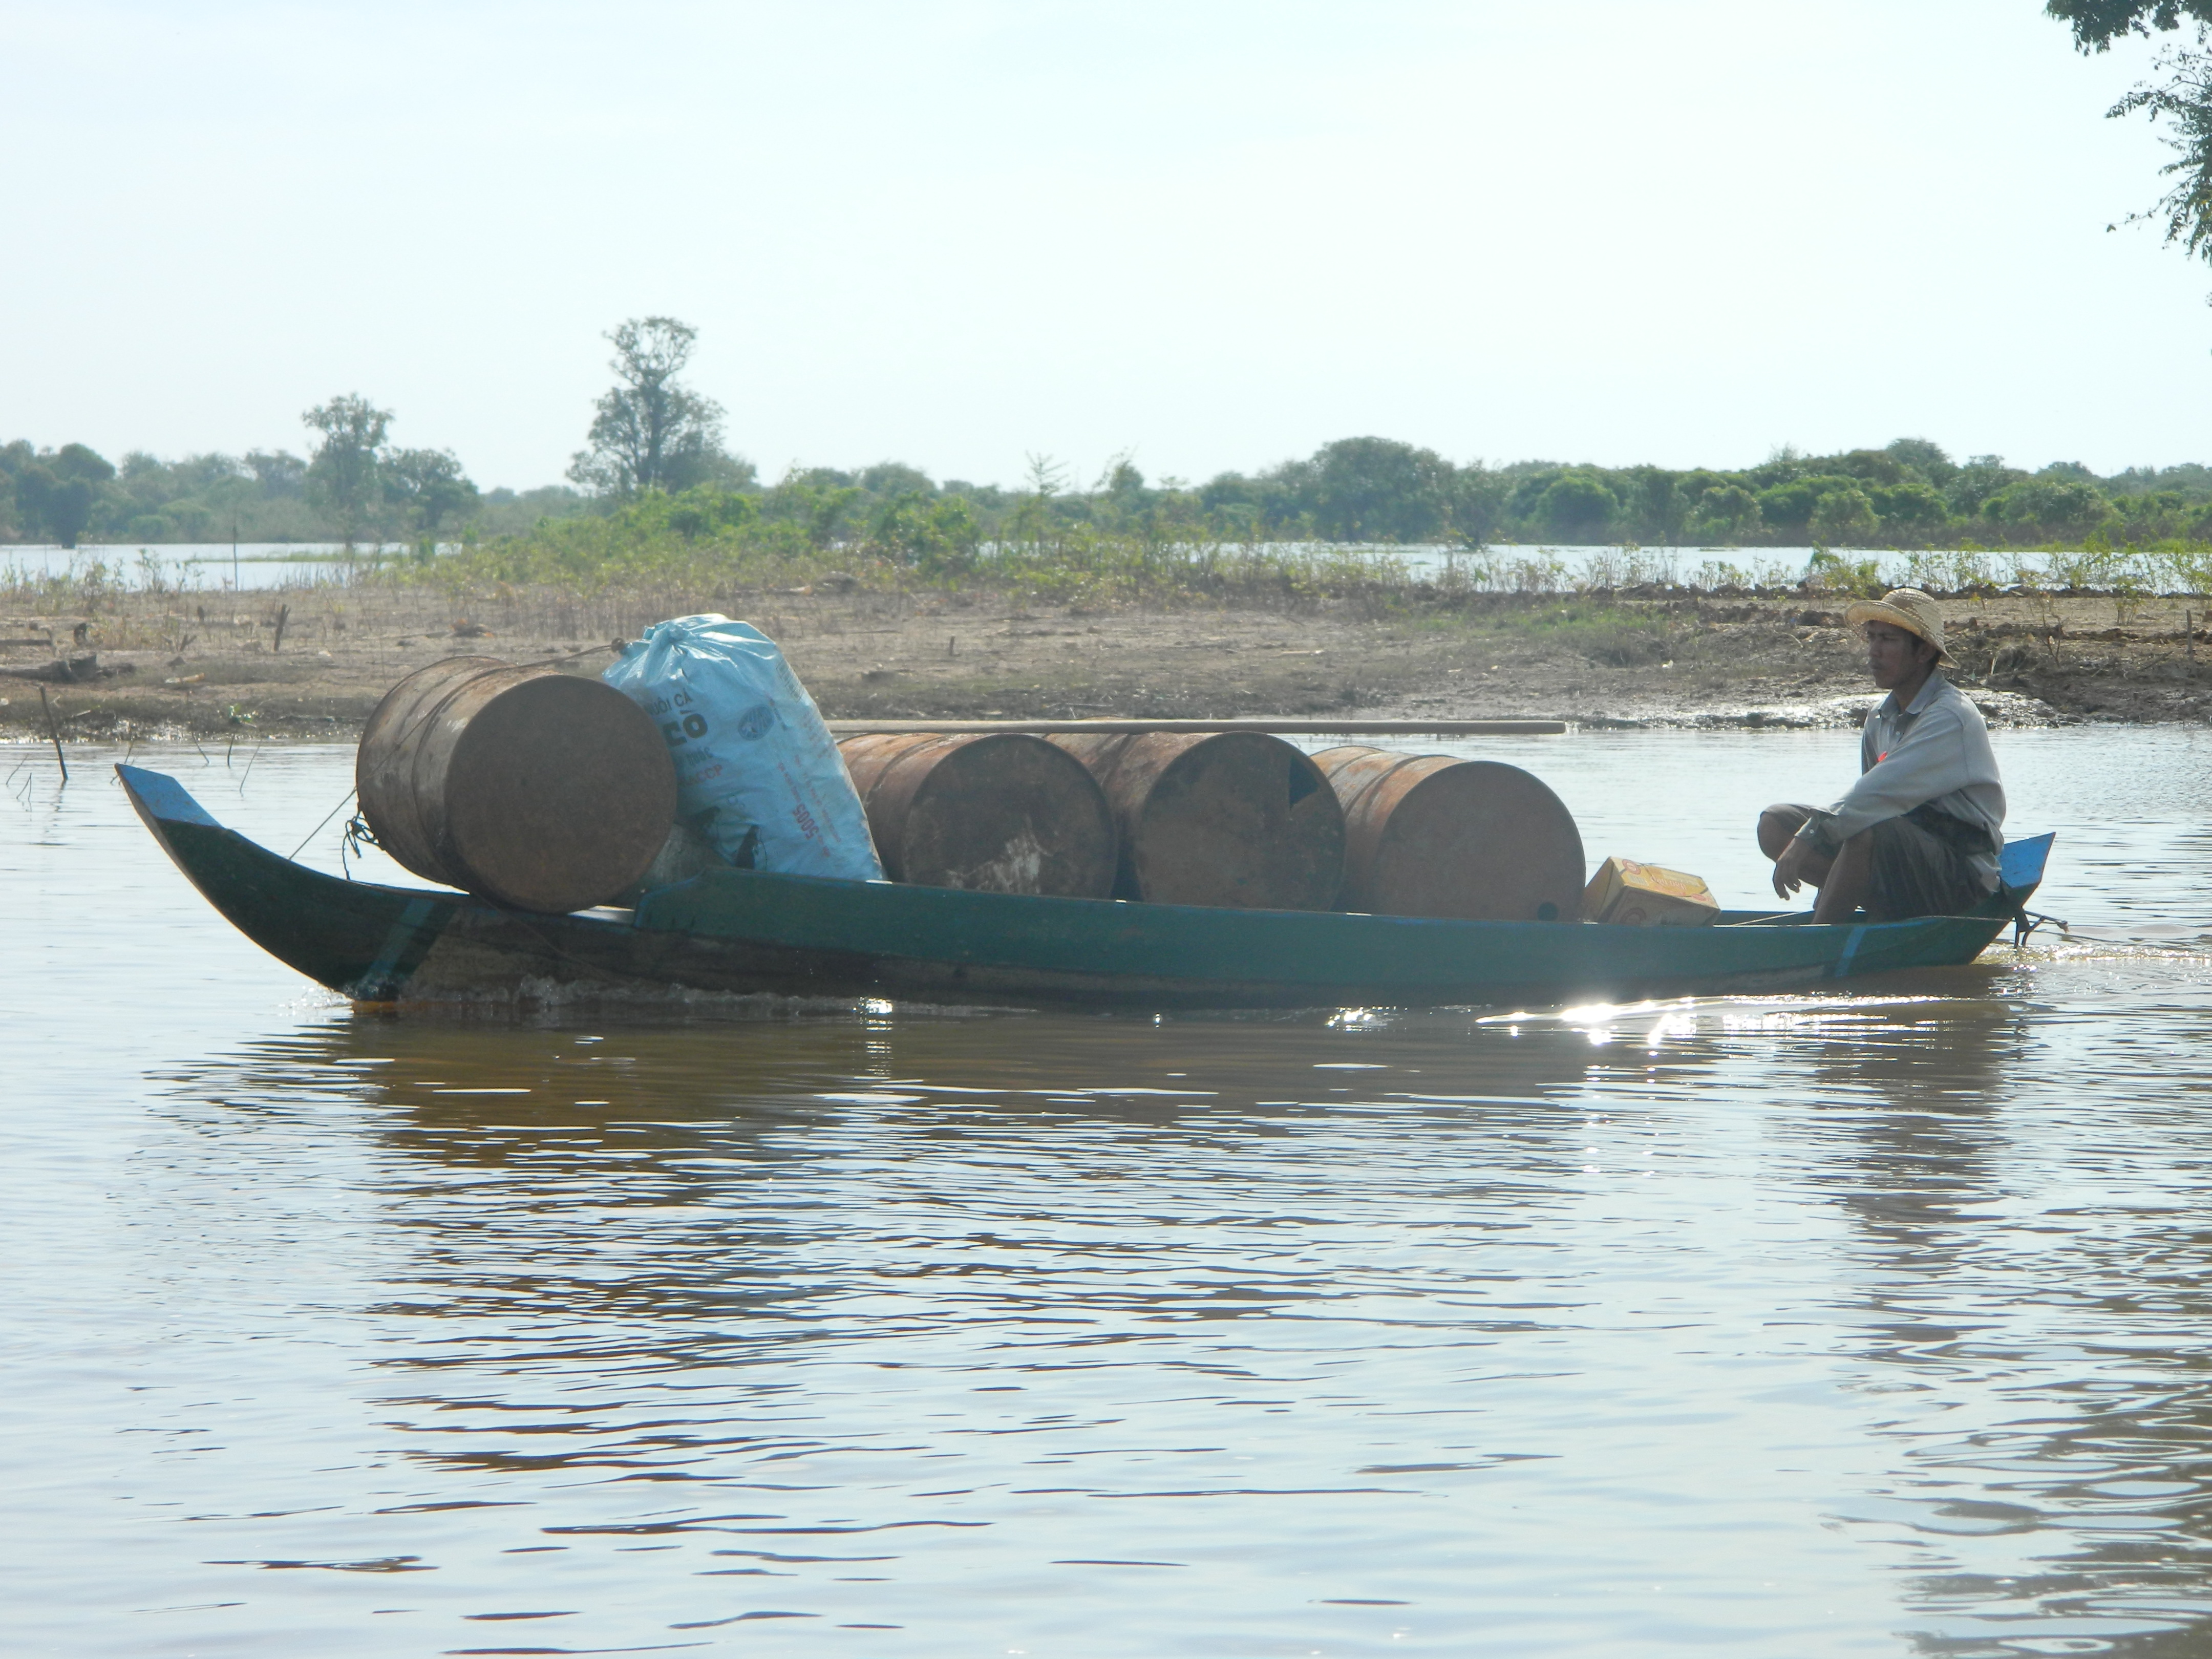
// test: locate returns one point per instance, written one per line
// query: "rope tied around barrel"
(355, 836)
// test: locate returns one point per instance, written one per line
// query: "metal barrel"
(1233, 818)
(996, 812)
(537, 789)
(1429, 835)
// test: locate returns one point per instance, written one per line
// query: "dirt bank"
(153, 666)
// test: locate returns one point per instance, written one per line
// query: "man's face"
(1893, 655)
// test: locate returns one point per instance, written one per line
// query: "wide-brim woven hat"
(1908, 608)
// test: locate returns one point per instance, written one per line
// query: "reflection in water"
(820, 1298)
(868, 1311)
(2040, 1428)
(742, 1188)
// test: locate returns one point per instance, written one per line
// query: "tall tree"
(1924, 457)
(1576, 506)
(280, 473)
(54, 490)
(2182, 99)
(342, 477)
(425, 485)
(1657, 509)
(648, 432)
(1477, 501)
(1379, 489)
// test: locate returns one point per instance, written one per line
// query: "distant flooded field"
(271, 565)
(199, 567)
(1872, 1322)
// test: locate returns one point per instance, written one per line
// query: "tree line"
(649, 433)
(354, 485)
(653, 439)
(1909, 494)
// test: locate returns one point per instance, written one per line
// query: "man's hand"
(1795, 868)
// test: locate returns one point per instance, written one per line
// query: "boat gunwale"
(1455, 962)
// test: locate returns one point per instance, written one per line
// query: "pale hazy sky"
(1215, 233)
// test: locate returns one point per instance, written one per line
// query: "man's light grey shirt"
(1933, 752)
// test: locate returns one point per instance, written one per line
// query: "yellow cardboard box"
(1636, 895)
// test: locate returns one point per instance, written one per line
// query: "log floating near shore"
(1276, 728)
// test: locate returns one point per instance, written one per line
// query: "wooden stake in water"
(55, 733)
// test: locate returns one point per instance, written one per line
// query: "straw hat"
(1908, 608)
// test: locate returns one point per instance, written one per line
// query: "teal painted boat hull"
(745, 931)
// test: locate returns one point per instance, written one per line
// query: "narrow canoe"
(741, 931)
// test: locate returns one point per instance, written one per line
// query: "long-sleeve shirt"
(1936, 752)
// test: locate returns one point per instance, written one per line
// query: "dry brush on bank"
(919, 619)
(310, 662)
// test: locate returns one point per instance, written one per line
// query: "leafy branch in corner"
(2183, 99)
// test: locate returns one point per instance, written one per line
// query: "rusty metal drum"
(992, 812)
(536, 789)
(1238, 819)
(1429, 835)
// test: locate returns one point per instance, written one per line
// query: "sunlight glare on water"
(1866, 1323)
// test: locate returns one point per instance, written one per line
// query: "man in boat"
(1918, 834)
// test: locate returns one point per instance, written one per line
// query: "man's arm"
(1928, 761)
(1800, 862)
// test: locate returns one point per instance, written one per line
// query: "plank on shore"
(1280, 727)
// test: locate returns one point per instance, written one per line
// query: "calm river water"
(1873, 1324)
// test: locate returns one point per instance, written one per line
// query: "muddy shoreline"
(309, 665)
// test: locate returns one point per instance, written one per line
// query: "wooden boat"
(741, 931)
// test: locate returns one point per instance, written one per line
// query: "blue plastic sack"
(757, 771)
